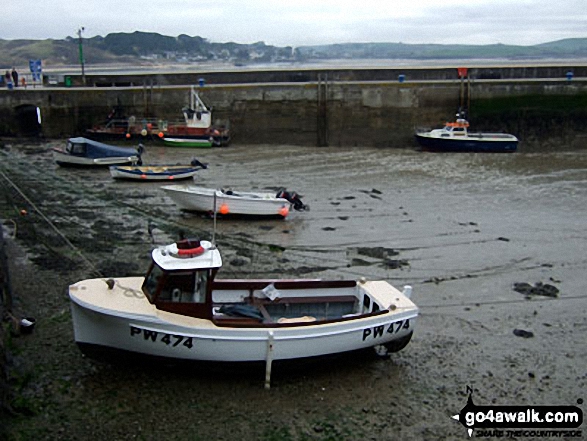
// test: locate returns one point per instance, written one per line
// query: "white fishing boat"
(180, 311)
(230, 202)
(156, 172)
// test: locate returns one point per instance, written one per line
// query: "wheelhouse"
(179, 278)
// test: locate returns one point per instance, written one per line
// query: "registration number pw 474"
(392, 328)
(172, 340)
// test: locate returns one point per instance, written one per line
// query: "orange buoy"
(143, 176)
(284, 211)
(128, 136)
(161, 134)
(223, 209)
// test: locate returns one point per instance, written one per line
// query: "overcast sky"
(304, 22)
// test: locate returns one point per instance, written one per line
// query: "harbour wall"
(325, 110)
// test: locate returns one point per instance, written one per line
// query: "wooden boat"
(180, 310)
(118, 126)
(86, 152)
(229, 202)
(455, 137)
(196, 130)
(156, 172)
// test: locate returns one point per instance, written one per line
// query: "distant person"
(15, 77)
(7, 78)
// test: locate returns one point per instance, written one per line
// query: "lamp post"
(81, 53)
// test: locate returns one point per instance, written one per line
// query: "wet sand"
(461, 228)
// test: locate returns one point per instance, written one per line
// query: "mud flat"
(464, 230)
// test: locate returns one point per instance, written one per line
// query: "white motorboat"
(180, 311)
(229, 202)
(456, 137)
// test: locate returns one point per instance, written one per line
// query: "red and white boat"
(196, 130)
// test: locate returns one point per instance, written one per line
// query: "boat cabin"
(458, 128)
(197, 114)
(87, 148)
(181, 280)
(179, 277)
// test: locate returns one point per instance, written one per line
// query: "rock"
(540, 289)
(522, 333)
(240, 261)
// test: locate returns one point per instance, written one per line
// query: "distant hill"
(145, 47)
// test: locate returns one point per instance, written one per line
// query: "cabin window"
(152, 281)
(184, 287)
(76, 149)
(366, 303)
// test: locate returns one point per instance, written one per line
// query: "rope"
(499, 302)
(46, 219)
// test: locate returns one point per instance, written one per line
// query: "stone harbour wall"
(336, 113)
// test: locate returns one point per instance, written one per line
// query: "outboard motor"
(197, 163)
(294, 199)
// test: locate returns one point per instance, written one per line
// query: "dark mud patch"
(538, 289)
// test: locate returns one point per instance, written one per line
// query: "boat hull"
(191, 142)
(160, 173)
(493, 145)
(165, 335)
(200, 199)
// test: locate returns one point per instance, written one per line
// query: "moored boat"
(456, 137)
(179, 310)
(230, 202)
(156, 172)
(86, 152)
(196, 130)
(197, 141)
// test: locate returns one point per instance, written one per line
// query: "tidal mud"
(463, 230)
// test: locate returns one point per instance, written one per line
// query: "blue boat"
(86, 152)
(455, 137)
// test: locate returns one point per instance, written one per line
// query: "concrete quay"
(346, 107)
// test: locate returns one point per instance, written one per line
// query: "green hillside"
(143, 47)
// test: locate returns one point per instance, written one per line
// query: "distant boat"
(192, 141)
(86, 152)
(455, 137)
(229, 202)
(156, 172)
(196, 130)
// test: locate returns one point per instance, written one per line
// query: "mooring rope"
(46, 219)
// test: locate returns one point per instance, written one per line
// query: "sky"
(304, 22)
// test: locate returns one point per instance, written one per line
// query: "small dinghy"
(179, 310)
(230, 202)
(157, 172)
